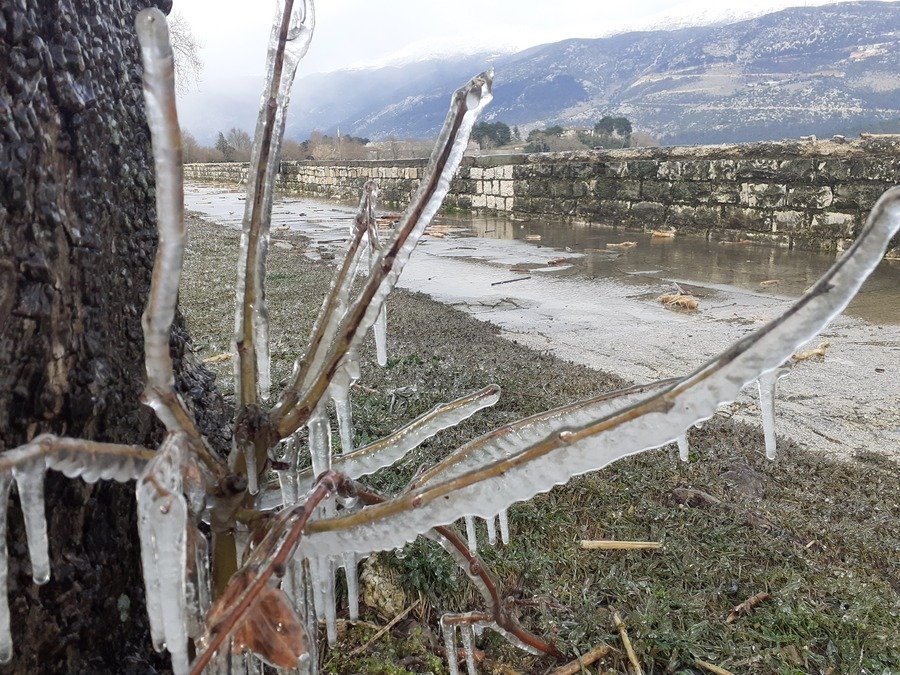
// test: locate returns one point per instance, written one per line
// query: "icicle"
(322, 572)
(491, 530)
(320, 439)
(6, 646)
(250, 461)
(265, 156)
(380, 329)
(471, 535)
(29, 478)
(309, 663)
(504, 526)
(339, 391)
(350, 572)
(448, 630)
(162, 523)
(516, 474)
(684, 450)
(767, 384)
(465, 633)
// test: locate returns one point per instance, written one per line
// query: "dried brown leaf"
(679, 301)
(272, 630)
(817, 353)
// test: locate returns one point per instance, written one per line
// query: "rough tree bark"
(77, 237)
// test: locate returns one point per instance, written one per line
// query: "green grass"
(820, 535)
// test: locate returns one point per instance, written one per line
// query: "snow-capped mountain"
(812, 70)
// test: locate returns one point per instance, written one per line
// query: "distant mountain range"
(811, 70)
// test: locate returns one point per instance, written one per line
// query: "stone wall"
(804, 193)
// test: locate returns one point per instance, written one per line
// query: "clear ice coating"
(503, 478)
(684, 449)
(766, 384)
(29, 477)
(265, 156)
(162, 528)
(466, 104)
(320, 439)
(6, 646)
(159, 96)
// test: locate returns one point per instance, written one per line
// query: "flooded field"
(558, 287)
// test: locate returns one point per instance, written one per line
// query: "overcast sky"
(352, 33)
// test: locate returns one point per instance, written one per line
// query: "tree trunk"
(77, 238)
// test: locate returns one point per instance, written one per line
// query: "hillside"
(814, 70)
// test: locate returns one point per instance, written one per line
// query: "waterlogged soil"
(820, 535)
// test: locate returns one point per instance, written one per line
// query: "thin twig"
(626, 642)
(576, 666)
(611, 545)
(393, 622)
(475, 567)
(711, 668)
(165, 135)
(297, 405)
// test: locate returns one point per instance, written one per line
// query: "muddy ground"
(820, 535)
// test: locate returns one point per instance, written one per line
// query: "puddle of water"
(755, 268)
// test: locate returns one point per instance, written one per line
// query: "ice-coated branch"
(480, 575)
(649, 423)
(509, 439)
(291, 33)
(77, 458)
(298, 402)
(334, 307)
(393, 447)
(159, 95)
(266, 565)
(165, 135)
(26, 466)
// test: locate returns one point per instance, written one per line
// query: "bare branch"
(298, 401)
(159, 95)
(291, 34)
(75, 457)
(650, 423)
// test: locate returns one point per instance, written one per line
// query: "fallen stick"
(611, 545)
(576, 666)
(509, 281)
(626, 642)
(393, 622)
(711, 668)
(747, 606)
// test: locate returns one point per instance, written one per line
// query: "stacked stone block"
(809, 194)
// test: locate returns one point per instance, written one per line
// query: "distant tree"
(190, 148)
(225, 148)
(186, 47)
(241, 142)
(612, 132)
(491, 134)
(515, 133)
(553, 131)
